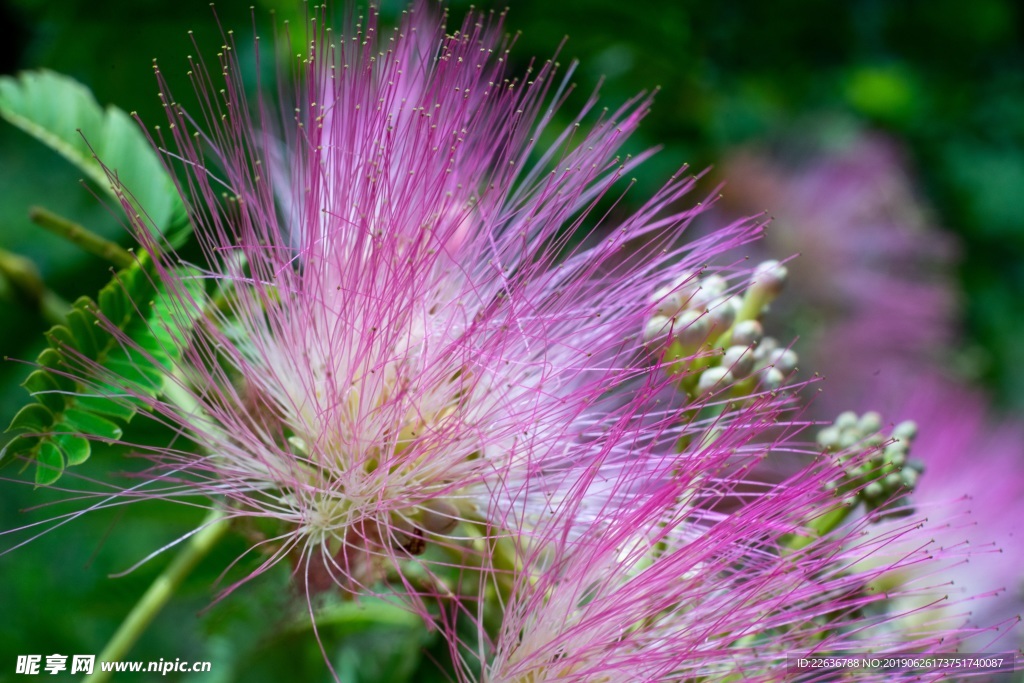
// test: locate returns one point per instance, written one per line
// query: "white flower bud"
(671, 299)
(692, 328)
(784, 360)
(906, 430)
(829, 437)
(703, 300)
(846, 420)
(714, 283)
(769, 277)
(873, 440)
(869, 422)
(848, 438)
(873, 490)
(712, 378)
(739, 360)
(765, 348)
(657, 329)
(771, 379)
(909, 476)
(747, 333)
(722, 313)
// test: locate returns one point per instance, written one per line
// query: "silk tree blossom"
(880, 270)
(673, 588)
(396, 329)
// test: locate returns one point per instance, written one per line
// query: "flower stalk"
(199, 544)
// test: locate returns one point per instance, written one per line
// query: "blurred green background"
(945, 77)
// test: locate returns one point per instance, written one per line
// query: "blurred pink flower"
(876, 290)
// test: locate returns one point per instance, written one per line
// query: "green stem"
(160, 591)
(23, 276)
(81, 237)
(817, 528)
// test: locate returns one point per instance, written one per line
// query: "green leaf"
(116, 379)
(49, 464)
(53, 109)
(119, 409)
(44, 388)
(81, 421)
(34, 417)
(74, 447)
(81, 325)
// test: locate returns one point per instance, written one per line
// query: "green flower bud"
(873, 490)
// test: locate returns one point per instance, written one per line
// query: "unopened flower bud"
(692, 328)
(712, 378)
(747, 333)
(703, 299)
(848, 438)
(771, 379)
(846, 420)
(765, 348)
(829, 437)
(739, 360)
(769, 277)
(668, 303)
(915, 464)
(438, 516)
(405, 536)
(905, 430)
(722, 313)
(299, 446)
(909, 476)
(869, 422)
(874, 440)
(657, 329)
(715, 284)
(873, 490)
(784, 360)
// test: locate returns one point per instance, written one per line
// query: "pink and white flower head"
(672, 587)
(397, 328)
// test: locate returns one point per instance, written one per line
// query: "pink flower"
(676, 587)
(878, 275)
(400, 365)
(396, 328)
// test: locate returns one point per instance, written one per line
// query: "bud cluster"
(712, 337)
(880, 467)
